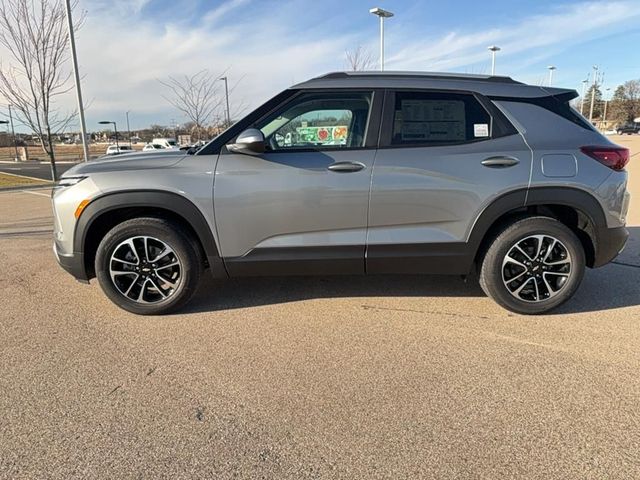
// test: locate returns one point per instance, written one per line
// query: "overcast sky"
(125, 46)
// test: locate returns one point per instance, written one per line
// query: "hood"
(128, 161)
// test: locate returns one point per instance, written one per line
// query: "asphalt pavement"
(314, 378)
(41, 170)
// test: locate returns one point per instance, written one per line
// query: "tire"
(619, 132)
(166, 284)
(550, 279)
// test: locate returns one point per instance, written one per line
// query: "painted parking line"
(31, 192)
(24, 176)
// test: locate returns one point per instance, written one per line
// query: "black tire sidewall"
(491, 269)
(170, 234)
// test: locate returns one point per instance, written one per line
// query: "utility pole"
(13, 134)
(74, 58)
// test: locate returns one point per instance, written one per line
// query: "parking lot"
(345, 377)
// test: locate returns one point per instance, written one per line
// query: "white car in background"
(165, 143)
(152, 147)
(118, 149)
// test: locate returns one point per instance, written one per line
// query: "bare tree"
(35, 34)
(197, 96)
(359, 59)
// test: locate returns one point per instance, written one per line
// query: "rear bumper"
(611, 241)
(73, 263)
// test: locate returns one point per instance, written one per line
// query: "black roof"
(489, 85)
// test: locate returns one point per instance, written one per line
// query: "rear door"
(301, 206)
(444, 156)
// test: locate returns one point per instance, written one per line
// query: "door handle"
(500, 162)
(346, 167)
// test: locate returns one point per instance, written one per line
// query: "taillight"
(613, 157)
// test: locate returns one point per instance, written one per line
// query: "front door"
(300, 207)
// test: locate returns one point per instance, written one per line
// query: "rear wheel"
(148, 266)
(533, 265)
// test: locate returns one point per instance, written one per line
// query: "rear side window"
(558, 104)
(438, 118)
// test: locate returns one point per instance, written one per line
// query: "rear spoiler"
(562, 95)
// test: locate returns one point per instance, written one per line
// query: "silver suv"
(359, 173)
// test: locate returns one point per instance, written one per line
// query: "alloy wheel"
(145, 269)
(536, 268)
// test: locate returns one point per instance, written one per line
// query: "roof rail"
(426, 75)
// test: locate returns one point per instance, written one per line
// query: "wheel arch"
(106, 211)
(575, 208)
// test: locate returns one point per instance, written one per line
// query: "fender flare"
(575, 198)
(173, 202)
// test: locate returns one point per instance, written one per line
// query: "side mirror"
(250, 142)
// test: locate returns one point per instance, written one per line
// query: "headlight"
(68, 182)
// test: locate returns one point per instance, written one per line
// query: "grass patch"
(7, 180)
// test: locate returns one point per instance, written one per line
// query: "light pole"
(5, 122)
(13, 133)
(584, 90)
(74, 58)
(226, 94)
(551, 69)
(382, 14)
(493, 49)
(115, 130)
(128, 128)
(606, 103)
(593, 92)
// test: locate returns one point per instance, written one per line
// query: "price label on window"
(480, 130)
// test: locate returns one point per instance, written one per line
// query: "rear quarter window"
(557, 104)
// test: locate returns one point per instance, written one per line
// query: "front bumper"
(73, 263)
(611, 242)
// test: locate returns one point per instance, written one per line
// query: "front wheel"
(148, 266)
(533, 265)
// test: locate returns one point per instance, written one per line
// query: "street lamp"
(584, 90)
(593, 92)
(76, 74)
(493, 49)
(128, 128)
(226, 94)
(551, 69)
(13, 134)
(5, 122)
(606, 103)
(382, 14)
(115, 130)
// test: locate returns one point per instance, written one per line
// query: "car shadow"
(616, 285)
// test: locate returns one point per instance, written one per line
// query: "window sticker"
(432, 120)
(480, 130)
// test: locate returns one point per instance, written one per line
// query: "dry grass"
(7, 180)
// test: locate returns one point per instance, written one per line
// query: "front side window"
(319, 120)
(436, 118)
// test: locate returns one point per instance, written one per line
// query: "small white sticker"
(480, 130)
